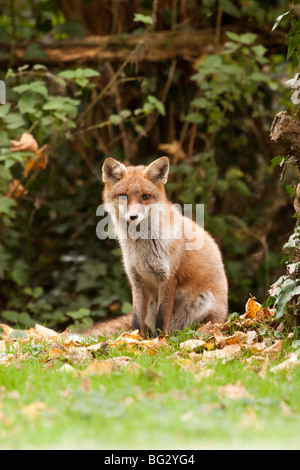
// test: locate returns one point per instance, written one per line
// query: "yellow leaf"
(255, 311)
(253, 308)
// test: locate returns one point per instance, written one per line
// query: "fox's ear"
(157, 171)
(112, 171)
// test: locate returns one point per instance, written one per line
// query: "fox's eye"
(145, 197)
(123, 197)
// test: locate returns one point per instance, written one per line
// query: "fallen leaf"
(191, 344)
(234, 392)
(292, 361)
(55, 352)
(239, 337)
(253, 308)
(274, 351)
(34, 409)
(133, 340)
(67, 368)
(74, 339)
(255, 311)
(127, 338)
(204, 374)
(4, 419)
(42, 332)
(7, 358)
(220, 341)
(6, 330)
(227, 353)
(206, 328)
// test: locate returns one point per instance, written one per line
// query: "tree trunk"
(285, 131)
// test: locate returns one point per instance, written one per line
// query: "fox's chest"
(148, 258)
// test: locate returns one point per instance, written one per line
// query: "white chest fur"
(149, 258)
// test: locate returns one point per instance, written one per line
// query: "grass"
(157, 405)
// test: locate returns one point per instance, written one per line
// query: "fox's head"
(132, 190)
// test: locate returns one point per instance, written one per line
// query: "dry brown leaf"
(4, 419)
(6, 330)
(128, 337)
(191, 344)
(55, 352)
(114, 363)
(34, 409)
(245, 339)
(250, 420)
(26, 142)
(38, 163)
(133, 340)
(274, 351)
(220, 340)
(68, 368)
(16, 189)
(99, 368)
(290, 362)
(258, 348)
(204, 374)
(207, 328)
(7, 359)
(255, 311)
(235, 392)
(227, 353)
(73, 339)
(41, 332)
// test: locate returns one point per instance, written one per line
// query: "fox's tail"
(107, 328)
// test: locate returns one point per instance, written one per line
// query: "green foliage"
(233, 95)
(78, 289)
(53, 269)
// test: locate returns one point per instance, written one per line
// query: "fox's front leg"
(166, 297)
(140, 300)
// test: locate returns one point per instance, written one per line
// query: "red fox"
(174, 266)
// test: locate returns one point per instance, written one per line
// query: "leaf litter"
(246, 338)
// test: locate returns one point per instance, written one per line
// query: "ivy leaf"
(288, 290)
(293, 44)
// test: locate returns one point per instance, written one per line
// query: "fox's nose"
(133, 217)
